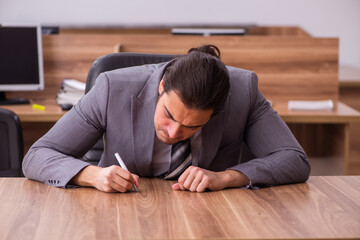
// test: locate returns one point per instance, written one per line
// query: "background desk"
(324, 207)
(323, 135)
(349, 93)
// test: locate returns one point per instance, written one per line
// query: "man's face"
(175, 122)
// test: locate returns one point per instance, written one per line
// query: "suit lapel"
(211, 139)
(142, 118)
(142, 115)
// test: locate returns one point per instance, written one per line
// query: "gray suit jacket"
(120, 108)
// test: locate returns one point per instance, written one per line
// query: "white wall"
(320, 18)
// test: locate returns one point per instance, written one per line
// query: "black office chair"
(110, 62)
(11, 144)
(123, 60)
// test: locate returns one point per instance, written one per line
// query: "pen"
(122, 164)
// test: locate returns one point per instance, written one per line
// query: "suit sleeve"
(279, 157)
(56, 157)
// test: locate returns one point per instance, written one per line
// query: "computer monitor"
(21, 60)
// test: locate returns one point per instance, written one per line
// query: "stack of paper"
(324, 105)
(71, 91)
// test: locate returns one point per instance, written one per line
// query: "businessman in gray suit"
(184, 119)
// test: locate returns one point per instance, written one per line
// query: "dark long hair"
(200, 79)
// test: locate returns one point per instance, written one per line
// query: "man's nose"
(174, 130)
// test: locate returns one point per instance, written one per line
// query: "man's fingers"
(136, 179)
(117, 179)
(176, 186)
(121, 184)
(186, 179)
(189, 180)
(131, 178)
(184, 175)
(203, 185)
(125, 174)
(195, 183)
(196, 179)
(118, 188)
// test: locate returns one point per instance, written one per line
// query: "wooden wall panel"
(278, 31)
(252, 30)
(288, 67)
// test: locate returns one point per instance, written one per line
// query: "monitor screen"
(21, 59)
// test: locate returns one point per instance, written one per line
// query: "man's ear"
(161, 86)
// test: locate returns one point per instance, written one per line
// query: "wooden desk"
(324, 207)
(35, 123)
(321, 134)
(28, 114)
(349, 93)
(325, 136)
(341, 114)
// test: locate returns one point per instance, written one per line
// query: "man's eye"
(167, 115)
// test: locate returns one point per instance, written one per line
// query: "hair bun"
(208, 49)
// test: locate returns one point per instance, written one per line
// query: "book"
(322, 105)
(71, 92)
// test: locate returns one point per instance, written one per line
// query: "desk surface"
(26, 113)
(324, 207)
(341, 114)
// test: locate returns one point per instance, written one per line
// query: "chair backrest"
(122, 60)
(11, 144)
(110, 62)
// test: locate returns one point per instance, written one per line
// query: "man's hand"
(109, 179)
(196, 179)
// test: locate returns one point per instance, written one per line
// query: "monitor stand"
(12, 101)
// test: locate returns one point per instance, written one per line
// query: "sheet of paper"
(323, 105)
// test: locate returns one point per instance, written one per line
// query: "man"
(182, 119)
